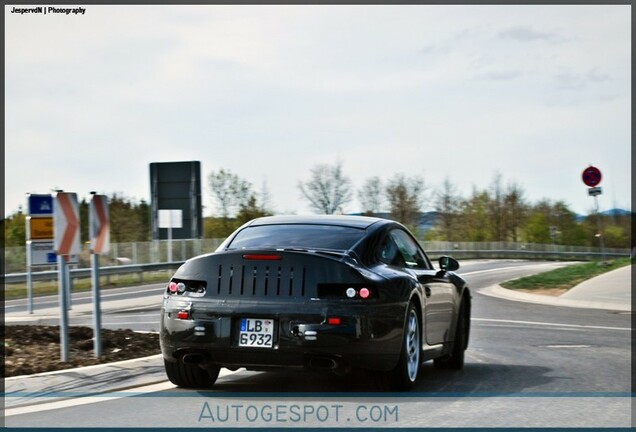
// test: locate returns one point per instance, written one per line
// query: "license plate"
(256, 333)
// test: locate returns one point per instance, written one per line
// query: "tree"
(15, 229)
(496, 209)
(448, 206)
(251, 210)
(265, 198)
(229, 191)
(616, 230)
(328, 189)
(515, 211)
(406, 198)
(236, 201)
(475, 222)
(570, 231)
(370, 196)
(537, 228)
(546, 214)
(143, 216)
(128, 223)
(614, 236)
(214, 227)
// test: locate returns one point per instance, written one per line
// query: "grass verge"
(565, 278)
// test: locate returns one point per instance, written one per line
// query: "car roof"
(362, 222)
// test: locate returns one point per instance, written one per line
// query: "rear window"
(297, 236)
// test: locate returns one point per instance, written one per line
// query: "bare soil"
(30, 349)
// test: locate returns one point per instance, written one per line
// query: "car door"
(438, 289)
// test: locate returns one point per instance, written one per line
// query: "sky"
(534, 94)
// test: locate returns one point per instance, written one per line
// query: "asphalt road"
(139, 308)
(527, 365)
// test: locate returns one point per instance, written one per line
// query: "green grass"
(16, 291)
(566, 277)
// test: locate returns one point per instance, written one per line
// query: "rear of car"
(281, 295)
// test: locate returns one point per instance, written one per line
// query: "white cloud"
(528, 34)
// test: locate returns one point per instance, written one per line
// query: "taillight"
(262, 257)
(362, 293)
(333, 320)
(191, 288)
(172, 287)
(347, 291)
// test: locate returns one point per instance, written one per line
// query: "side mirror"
(447, 263)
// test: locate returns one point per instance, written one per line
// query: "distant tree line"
(502, 213)
(129, 222)
(499, 212)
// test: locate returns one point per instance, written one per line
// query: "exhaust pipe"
(324, 363)
(193, 358)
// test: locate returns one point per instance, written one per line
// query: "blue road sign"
(40, 205)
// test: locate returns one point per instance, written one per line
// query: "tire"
(455, 360)
(190, 375)
(404, 376)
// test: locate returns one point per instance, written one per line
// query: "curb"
(83, 368)
(46, 387)
(506, 294)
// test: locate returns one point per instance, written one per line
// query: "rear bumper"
(368, 336)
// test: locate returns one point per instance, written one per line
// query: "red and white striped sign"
(99, 225)
(66, 235)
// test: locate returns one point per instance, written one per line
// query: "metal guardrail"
(16, 278)
(82, 273)
(526, 254)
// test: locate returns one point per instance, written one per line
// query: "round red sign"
(591, 176)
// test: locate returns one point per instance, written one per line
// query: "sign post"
(66, 243)
(592, 177)
(170, 219)
(99, 233)
(39, 235)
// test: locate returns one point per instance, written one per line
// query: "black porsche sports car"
(317, 292)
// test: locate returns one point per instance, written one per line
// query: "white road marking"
(510, 268)
(567, 346)
(547, 324)
(108, 321)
